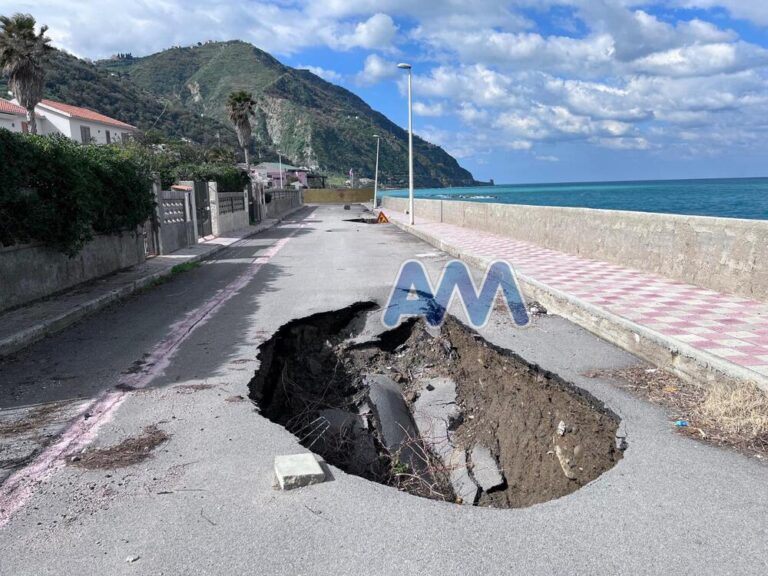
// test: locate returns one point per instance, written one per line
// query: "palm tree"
(23, 55)
(240, 107)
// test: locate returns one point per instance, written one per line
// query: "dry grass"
(737, 410)
(35, 419)
(130, 451)
(723, 413)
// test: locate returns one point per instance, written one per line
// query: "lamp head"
(404, 66)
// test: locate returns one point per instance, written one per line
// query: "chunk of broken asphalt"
(485, 469)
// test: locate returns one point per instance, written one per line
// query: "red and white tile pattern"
(730, 327)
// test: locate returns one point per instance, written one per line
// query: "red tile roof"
(11, 108)
(85, 114)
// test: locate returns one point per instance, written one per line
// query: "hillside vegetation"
(182, 93)
(313, 122)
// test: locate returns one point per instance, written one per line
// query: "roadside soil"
(130, 451)
(726, 414)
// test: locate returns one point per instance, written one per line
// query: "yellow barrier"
(338, 196)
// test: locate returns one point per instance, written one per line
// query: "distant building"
(80, 124)
(13, 117)
(268, 174)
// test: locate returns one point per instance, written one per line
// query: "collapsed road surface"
(176, 478)
(435, 412)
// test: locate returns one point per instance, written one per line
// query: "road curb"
(28, 336)
(685, 361)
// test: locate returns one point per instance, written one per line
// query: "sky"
(518, 91)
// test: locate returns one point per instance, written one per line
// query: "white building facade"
(12, 117)
(80, 124)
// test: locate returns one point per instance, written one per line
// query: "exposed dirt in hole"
(733, 415)
(485, 426)
(129, 451)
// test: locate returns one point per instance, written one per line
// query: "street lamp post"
(376, 173)
(280, 162)
(411, 219)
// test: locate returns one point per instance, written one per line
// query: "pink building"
(268, 173)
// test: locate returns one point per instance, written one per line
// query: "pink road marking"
(20, 486)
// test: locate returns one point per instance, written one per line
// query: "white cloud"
(375, 70)
(433, 109)
(753, 10)
(608, 73)
(623, 143)
(376, 33)
(324, 73)
(702, 60)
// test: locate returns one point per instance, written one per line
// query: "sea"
(727, 198)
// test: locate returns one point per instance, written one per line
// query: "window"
(85, 134)
(109, 138)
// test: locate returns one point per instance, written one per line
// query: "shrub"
(228, 178)
(58, 192)
(175, 160)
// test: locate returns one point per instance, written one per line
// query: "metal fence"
(231, 202)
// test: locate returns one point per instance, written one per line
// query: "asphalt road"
(204, 503)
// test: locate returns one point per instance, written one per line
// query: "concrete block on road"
(298, 470)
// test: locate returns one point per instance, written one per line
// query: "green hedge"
(228, 177)
(174, 160)
(58, 192)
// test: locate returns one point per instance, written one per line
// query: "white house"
(12, 117)
(80, 124)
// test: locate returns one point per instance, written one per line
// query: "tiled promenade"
(731, 328)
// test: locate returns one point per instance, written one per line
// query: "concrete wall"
(338, 196)
(283, 201)
(31, 271)
(222, 223)
(723, 254)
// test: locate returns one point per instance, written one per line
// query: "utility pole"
(411, 218)
(376, 173)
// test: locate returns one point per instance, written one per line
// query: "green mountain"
(313, 122)
(74, 81)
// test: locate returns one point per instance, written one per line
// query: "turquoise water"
(730, 198)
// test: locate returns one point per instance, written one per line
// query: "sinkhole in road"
(370, 220)
(439, 413)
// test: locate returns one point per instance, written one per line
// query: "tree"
(240, 107)
(23, 55)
